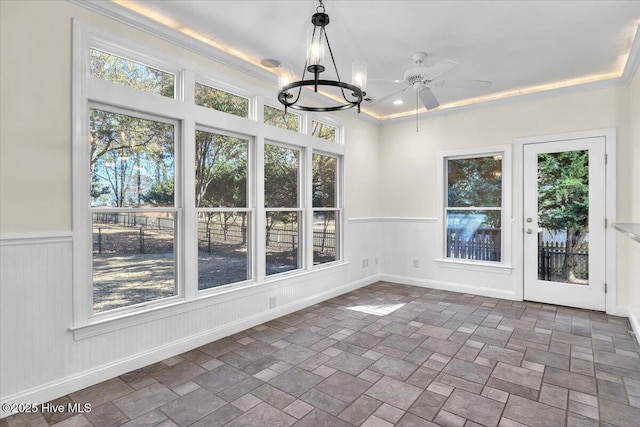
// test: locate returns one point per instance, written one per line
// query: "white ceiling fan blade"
(464, 84)
(428, 98)
(439, 68)
(387, 96)
(386, 80)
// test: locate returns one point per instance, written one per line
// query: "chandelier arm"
(335, 67)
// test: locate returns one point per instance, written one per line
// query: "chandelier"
(289, 91)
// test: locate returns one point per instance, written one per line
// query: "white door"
(564, 222)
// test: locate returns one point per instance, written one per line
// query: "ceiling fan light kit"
(289, 90)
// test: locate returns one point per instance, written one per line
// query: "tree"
(109, 67)
(276, 117)
(563, 200)
(220, 100)
(281, 184)
(161, 193)
(128, 154)
(324, 131)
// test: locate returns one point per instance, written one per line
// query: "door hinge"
(606, 158)
(606, 223)
(605, 288)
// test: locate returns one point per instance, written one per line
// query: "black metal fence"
(552, 258)
(483, 245)
(138, 233)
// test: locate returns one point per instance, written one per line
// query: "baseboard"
(635, 325)
(450, 286)
(61, 387)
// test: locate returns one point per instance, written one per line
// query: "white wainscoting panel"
(409, 253)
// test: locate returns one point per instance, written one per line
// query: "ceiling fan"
(422, 78)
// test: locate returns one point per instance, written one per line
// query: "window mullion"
(259, 254)
(307, 200)
(189, 264)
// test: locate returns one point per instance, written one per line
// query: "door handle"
(529, 231)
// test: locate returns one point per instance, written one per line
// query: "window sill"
(158, 312)
(485, 267)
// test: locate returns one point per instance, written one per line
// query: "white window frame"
(87, 91)
(338, 209)
(250, 209)
(504, 265)
(301, 209)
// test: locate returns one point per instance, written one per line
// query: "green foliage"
(133, 74)
(276, 117)
(563, 191)
(324, 181)
(323, 130)
(281, 176)
(563, 200)
(128, 154)
(221, 170)
(161, 193)
(220, 100)
(475, 182)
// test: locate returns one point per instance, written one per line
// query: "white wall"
(630, 247)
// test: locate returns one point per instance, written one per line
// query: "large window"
(474, 213)
(166, 192)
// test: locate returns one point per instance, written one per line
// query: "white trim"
(450, 286)
(223, 294)
(505, 205)
(635, 324)
(393, 219)
(43, 238)
(623, 311)
(633, 60)
(610, 135)
(551, 93)
(484, 266)
(72, 383)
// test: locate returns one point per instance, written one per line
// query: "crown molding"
(551, 93)
(633, 60)
(120, 14)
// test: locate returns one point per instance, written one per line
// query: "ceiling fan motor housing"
(415, 75)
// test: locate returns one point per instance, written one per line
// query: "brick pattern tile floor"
(386, 355)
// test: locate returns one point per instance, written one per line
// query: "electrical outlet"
(365, 263)
(376, 260)
(416, 263)
(272, 301)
